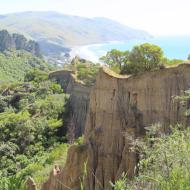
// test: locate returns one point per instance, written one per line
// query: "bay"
(175, 47)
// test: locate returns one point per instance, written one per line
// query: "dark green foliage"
(146, 57)
(31, 116)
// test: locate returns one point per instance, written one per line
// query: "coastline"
(86, 51)
(173, 47)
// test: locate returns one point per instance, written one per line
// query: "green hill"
(15, 64)
(65, 30)
(18, 56)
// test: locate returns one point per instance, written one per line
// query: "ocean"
(175, 47)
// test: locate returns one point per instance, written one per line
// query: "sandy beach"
(84, 52)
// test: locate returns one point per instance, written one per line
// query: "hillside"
(15, 64)
(38, 118)
(52, 28)
(19, 56)
(32, 137)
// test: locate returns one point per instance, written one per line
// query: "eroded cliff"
(119, 109)
(77, 104)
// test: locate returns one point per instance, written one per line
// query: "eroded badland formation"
(114, 109)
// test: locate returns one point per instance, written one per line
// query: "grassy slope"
(15, 64)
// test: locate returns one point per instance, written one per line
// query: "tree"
(115, 58)
(146, 57)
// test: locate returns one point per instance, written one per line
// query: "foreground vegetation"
(32, 108)
(164, 163)
(32, 134)
(32, 114)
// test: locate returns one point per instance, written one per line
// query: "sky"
(158, 17)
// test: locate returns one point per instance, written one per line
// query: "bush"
(164, 162)
(29, 128)
(86, 71)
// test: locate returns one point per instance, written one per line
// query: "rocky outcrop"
(77, 104)
(18, 42)
(119, 109)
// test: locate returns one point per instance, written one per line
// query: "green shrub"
(164, 163)
(120, 184)
(86, 71)
(31, 116)
(12, 183)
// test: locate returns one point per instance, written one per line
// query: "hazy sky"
(159, 17)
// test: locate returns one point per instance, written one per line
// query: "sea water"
(175, 47)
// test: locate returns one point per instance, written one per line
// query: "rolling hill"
(57, 31)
